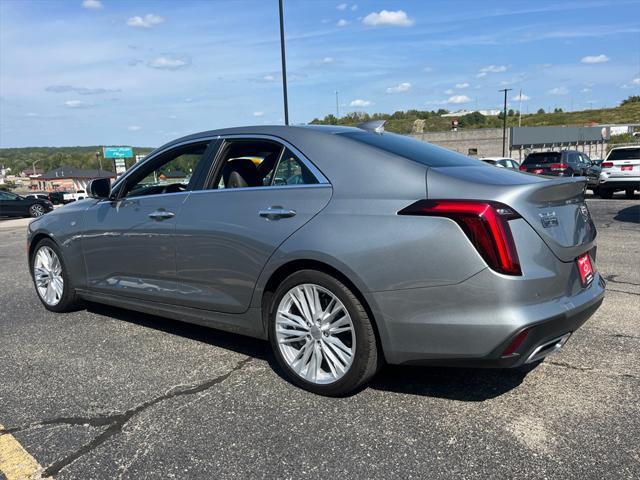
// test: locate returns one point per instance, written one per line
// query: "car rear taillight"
(513, 346)
(523, 168)
(558, 167)
(485, 223)
(607, 164)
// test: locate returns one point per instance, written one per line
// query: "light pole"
(337, 107)
(99, 159)
(33, 165)
(504, 121)
(284, 65)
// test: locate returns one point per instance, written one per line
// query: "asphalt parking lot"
(106, 393)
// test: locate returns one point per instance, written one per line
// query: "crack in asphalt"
(568, 365)
(622, 291)
(612, 279)
(590, 369)
(117, 421)
(624, 335)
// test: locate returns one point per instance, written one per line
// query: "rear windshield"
(413, 149)
(541, 158)
(624, 154)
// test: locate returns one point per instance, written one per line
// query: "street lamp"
(33, 165)
(99, 159)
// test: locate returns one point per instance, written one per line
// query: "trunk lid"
(555, 208)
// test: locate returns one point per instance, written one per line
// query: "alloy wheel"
(315, 334)
(37, 210)
(47, 272)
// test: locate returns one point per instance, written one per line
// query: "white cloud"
(449, 91)
(559, 91)
(491, 69)
(401, 87)
(636, 81)
(258, 114)
(595, 59)
(354, 7)
(343, 23)
(462, 85)
(342, 6)
(459, 99)
(79, 90)
(77, 104)
(92, 4)
(169, 63)
(327, 60)
(148, 21)
(385, 17)
(269, 78)
(358, 102)
(521, 97)
(134, 128)
(585, 90)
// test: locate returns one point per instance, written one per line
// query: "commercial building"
(68, 179)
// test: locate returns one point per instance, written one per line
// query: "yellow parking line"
(15, 461)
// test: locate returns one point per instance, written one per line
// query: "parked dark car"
(568, 163)
(344, 247)
(12, 205)
(57, 198)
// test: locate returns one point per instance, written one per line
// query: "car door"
(228, 234)
(129, 242)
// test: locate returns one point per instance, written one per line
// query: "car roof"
(625, 147)
(496, 158)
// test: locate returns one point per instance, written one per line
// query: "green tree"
(540, 111)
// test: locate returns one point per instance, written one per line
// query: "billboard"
(118, 152)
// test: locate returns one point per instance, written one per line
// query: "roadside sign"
(139, 158)
(118, 152)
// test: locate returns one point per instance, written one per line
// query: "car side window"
(170, 173)
(7, 196)
(251, 163)
(291, 171)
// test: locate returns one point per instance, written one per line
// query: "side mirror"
(99, 188)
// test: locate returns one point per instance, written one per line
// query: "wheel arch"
(283, 271)
(37, 238)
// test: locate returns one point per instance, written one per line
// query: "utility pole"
(504, 121)
(337, 106)
(520, 110)
(284, 65)
(99, 159)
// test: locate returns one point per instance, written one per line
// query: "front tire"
(36, 210)
(51, 278)
(321, 334)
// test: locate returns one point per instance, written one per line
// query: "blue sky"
(76, 72)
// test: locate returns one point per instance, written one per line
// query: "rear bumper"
(622, 182)
(464, 336)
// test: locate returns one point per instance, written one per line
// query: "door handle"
(274, 213)
(160, 215)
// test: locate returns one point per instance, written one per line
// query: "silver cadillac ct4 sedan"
(343, 247)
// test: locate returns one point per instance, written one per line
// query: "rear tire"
(306, 348)
(605, 193)
(48, 266)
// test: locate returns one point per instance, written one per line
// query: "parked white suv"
(620, 171)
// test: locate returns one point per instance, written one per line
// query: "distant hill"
(47, 158)
(403, 121)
